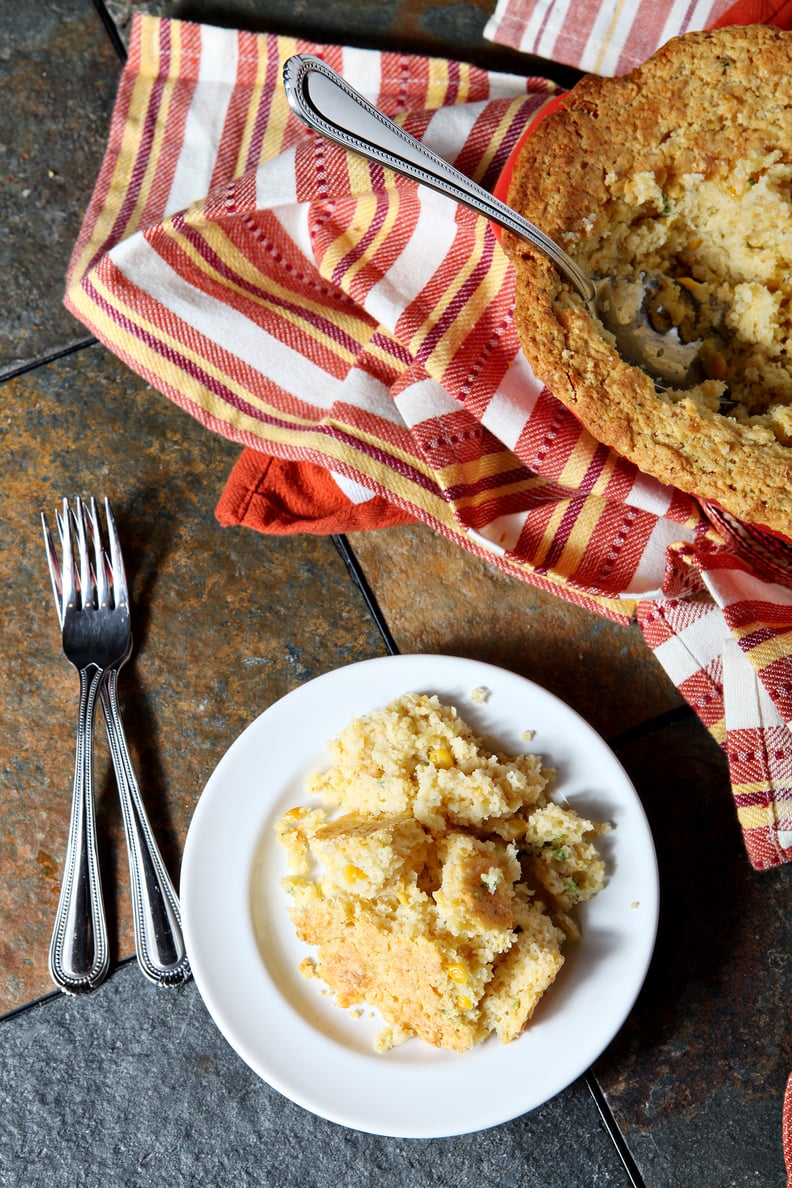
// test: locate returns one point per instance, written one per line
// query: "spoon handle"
(327, 104)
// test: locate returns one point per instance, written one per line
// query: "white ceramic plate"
(245, 955)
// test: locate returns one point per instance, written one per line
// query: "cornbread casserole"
(444, 886)
(682, 168)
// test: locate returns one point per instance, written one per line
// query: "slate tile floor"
(135, 1086)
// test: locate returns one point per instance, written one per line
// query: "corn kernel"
(457, 973)
(465, 1003)
(441, 757)
(353, 874)
(295, 813)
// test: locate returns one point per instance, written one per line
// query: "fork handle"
(79, 957)
(159, 941)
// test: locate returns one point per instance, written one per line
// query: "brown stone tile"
(226, 621)
(58, 77)
(437, 598)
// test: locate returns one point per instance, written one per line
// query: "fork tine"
(100, 567)
(54, 567)
(120, 593)
(69, 596)
(86, 582)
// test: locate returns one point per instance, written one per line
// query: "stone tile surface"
(58, 76)
(137, 1087)
(435, 597)
(225, 622)
(696, 1077)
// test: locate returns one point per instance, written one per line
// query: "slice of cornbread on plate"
(371, 853)
(414, 895)
(523, 974)
(476, 890)
(409, 975)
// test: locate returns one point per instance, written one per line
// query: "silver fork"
(159, 942)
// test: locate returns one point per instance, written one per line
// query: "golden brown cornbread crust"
(691, 117)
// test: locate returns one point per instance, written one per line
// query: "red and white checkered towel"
(355, 333)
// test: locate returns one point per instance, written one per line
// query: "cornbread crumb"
(436, 878)
(480, 695)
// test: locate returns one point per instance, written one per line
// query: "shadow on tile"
(706, 1044)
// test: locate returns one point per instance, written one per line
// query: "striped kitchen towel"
(610, 37)
(355, 333)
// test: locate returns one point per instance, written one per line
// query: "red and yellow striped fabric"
(336, 320)
(610, 37)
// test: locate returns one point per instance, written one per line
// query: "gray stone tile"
(137, 1087)
(696, 1077)
(58, 76)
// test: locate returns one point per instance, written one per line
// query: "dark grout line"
(52, 357)
(358, 577)
(54, 995)
(681, 713)
(614, 1134)
(15, 1012)
(111, 30)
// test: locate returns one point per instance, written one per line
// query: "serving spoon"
(327, 104)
